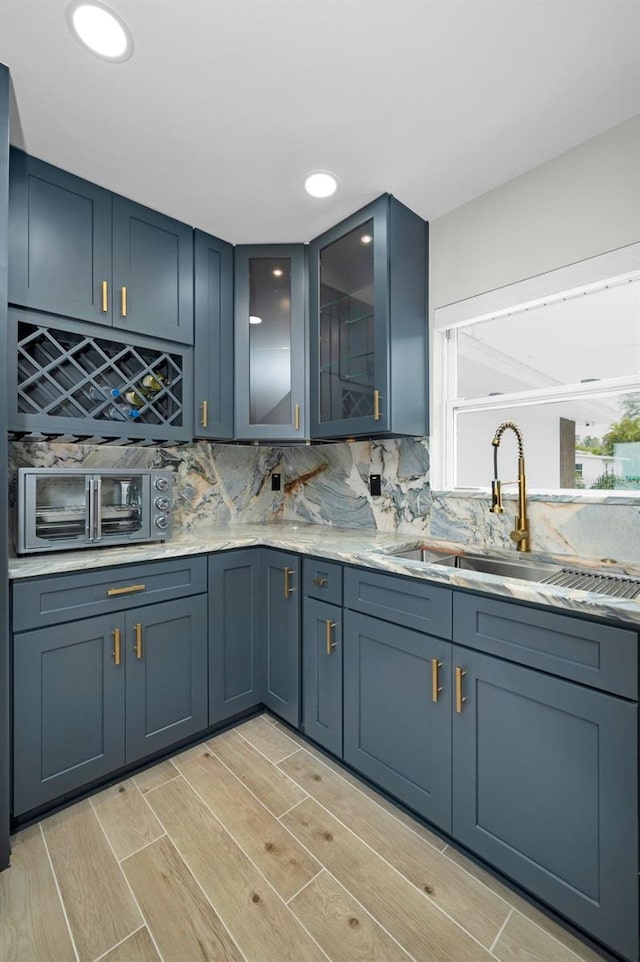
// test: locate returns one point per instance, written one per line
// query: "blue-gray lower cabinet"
(281, 634)
(397, 712)
(235, 635)
(322, 673)
(68, 708)
(545, 787)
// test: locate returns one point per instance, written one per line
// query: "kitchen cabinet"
(368, 324)
(82, 252)
(92, 694)
(213, 337)
(281, 634)
(235, 633)
(322, 673)
(5, 779)
(270, 362)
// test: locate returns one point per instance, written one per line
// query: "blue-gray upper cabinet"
(235, 633)
(82, 252)
(545, 787)
(368, 324)
(397, 712)
(322, 673)
(281, 634)
(270, 362)
(213, 337)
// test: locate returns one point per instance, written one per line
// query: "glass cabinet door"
(269, 319)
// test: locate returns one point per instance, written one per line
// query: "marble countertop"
(364, 547)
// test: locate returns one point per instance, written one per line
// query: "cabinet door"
(281, 640)
(152, 273)
(545, 785)
(166, 697)
(397, 712)
(59, 241)
(322, 673)
(235, 636)
(213, 337)
(68, 708)
(270, 342)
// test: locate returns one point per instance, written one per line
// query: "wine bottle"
(154, 382)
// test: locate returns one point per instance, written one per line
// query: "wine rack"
(72, 381)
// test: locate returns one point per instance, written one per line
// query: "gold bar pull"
(124, 591)
(105, 298)
(287, 584)
(329, 625)
(123, 301)
(116, 646)
(460, 698)
(435, 690)
(376, 405)
(296, 417)
(138, 631)
(204, 419)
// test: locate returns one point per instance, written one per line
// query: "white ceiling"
(227, 104)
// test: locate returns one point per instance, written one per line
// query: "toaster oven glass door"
(122, 507)
(59, 507)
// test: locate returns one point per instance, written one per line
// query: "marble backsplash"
(328, 484)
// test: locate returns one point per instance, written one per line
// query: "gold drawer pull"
(123, 301)
(435, 690)
(204, 420)
(105, 298)
(329, 625)
(320, 582)
(376, 405)
(124, 591)
(460, 698)
(138, 631)
(287, 584)
(116, 646)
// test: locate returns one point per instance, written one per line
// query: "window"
(559, 355)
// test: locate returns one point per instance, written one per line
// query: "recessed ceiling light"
(254, 319)
(366, 239)
(100, 30)
(321, 184)
(277, 272)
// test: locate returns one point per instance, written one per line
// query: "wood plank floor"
(253, 846)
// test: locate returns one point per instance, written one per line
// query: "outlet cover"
(275, 482)
(375, 485)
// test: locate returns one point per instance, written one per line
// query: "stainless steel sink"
(430, 555)
(523, 569)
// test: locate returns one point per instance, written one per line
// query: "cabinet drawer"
(418, 605)
(585, 651)
(322, 580)
(48, 601)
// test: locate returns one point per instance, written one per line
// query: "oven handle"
(98, 508)
(92, 509)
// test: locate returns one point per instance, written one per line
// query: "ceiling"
(226, 105)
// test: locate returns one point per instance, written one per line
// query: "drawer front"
(585, 651)
(38, 602)
(418, 605)
(322, 580)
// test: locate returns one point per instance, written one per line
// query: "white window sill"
(558, 497)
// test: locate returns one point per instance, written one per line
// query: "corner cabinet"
(79, 251)
(281, 634)
(368, 324)
(270, 363)
(213, 337)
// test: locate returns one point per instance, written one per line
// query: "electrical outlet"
(276, 480)
(375, 485)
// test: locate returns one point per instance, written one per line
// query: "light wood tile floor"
(253, 846)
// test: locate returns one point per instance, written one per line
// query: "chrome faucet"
(521, 532)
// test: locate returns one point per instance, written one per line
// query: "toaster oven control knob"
(162, 504)
(162, 484)
(162, 522)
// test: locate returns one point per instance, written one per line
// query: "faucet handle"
(496, 498)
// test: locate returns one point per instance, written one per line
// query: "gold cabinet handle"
(117, 638)
(129, 590)
(460, 698)
(329, 625)
(204, 415)
(123, 301)
(376, 405)
(320, 582)
(296, 417)
(105, 297)
(435, 689)
(287, 584)
(138, 631)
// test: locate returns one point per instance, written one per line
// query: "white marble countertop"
(364, 547)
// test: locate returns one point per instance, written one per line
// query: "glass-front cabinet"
(368, 324)
(270, 343)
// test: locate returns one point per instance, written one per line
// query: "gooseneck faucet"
(521, 532)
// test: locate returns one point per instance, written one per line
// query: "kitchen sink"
(524, 569)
